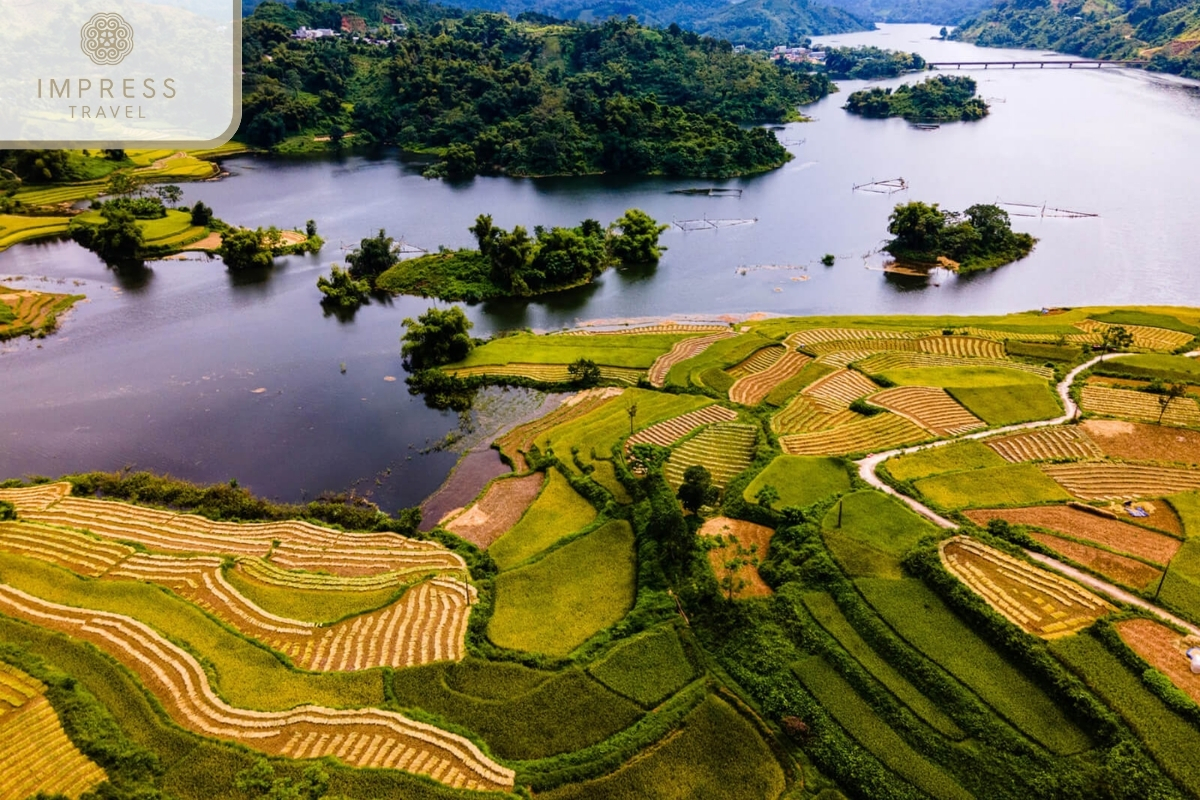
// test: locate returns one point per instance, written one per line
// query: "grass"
(801, 480)
(864, 725)
(1172, 741)
(1009, 485)
(1008, 405)
(920, 617)
(969, 377)
(632, 350)
(521, 713)
(717, 356)
(245, 674)
(936, 460)
(309, 605)
(647, 669)
(827, 614)
(1153, 365)
(876, 532)
(557, 603)
(717, 755)
(1148, 318)
(557, 512)
(15, 229)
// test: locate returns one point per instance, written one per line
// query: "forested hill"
(938, 12)
(486, 94)
(1165, 31)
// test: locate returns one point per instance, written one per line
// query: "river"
(162, 373)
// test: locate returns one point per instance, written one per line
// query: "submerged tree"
(245, 249)
(637, 241)
(341, 290)
(118, 240)
(374, 256)
(435, 338)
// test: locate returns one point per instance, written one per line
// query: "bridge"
(1085, 63)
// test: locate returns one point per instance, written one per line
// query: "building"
(304, 33)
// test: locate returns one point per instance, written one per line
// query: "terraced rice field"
(1143, 336)
(1109, 481)
(55, 195)
(1120, 569)
(266, 572)
(803, 415)
(1039, 601)
(36, 756)
(1023, 336)
(837, 390)
(1139, 406)
(516, 443)
(752, 389)
(666, 328)
(886, 362)
(929, 407)
(31, 311)
(498, 510)
(1163, 649)
(680, 352)
(359, 737)
(866, 435)
(843, 358)
(818, 335)
(1046, 444)
(38, 497)
(963, 347)
(75, 551)
(724, 449)
(870, 345)
(757, 362)
(670, 431)
(547, 373)
(1111, 533)
(15, 228)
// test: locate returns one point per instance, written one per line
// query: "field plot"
(30, 313)
(504, 502)
(670, 431)
(868, 533)
(558, 602)
(359, 737)
(724, 449)
(805, 415)
(1111, 533)
(1137, 442)
(633, 351)
(752, 389)
(817, 335)
(639, 330)
(1011, 484)
(557, 512)
(265, 572)
(647, 669)
(1026, 336)
(956, 457)
(680, 352)
(836, 391)
(1119, 569)
(758, 361)
(1143, 336)
(516, 443)
(1163, 649)
(929, 407)
(863, 435)
(15, 229)
(963, 347)
(1039, 601)
(1010, 404)
(75, 551)
(36, 757)
(1046, 444)
(546, 373)
(869, 345)
(36, 498)
(854, 714)
(1139, 406)
(886, 363)
(1107, 481)
(843, 358)
(800, 480)
(749, 536)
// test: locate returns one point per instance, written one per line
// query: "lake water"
(162, 373)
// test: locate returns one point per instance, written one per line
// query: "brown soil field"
(1120, 536)
(748, 534)
(1140, 442)
(497, 511)
(1163, 648)
(1120, 569)
(210, 242)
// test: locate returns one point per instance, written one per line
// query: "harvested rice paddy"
(1163, 649)
(1047, 444)
(1096, 528)
(929, 407)
(504, 502)
(1119, 481)
(1138, 442)
(1119, 569)
(557, 512)
(725, 449)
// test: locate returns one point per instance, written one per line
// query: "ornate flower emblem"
(106, 39)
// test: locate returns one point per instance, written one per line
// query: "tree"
(917, 226)
(943, 32)
(697, 490)
(373, 257)
(341, 290)
(767, 496)
(124, 184)
(637, 242)
(169, 194)
(828, 259)
(992, 223)
(202, 215)
(731, 578)
(310, 228)
(631, 410)
(645, 457)
(118, 240)
(1116, 338)
(1174, 391)
(485, 234)
(244, 249)
(7, 511)
(114, 154)
(435, 338)
(261, 782)
(584, 371)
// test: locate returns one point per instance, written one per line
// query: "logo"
(106, 39)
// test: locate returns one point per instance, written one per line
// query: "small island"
(870, 63)
(942, 98)
(976, 239)
(24, 312)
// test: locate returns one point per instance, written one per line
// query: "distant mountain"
(1165, 31)
(938, 12)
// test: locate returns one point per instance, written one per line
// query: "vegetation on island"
(24, 312)
(513, 263)
(486, 94)
(976, 239)
(870, 63)
(941, 98)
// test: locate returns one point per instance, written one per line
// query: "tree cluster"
(979, 238)
(942, 98)
(870, 63)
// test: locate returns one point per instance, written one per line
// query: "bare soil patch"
(1164, 649)
(473, 472)
(1142, 442)
(499, 509)
(1119, 569)
(210, 242)
(1119, 536)
(748, 535)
